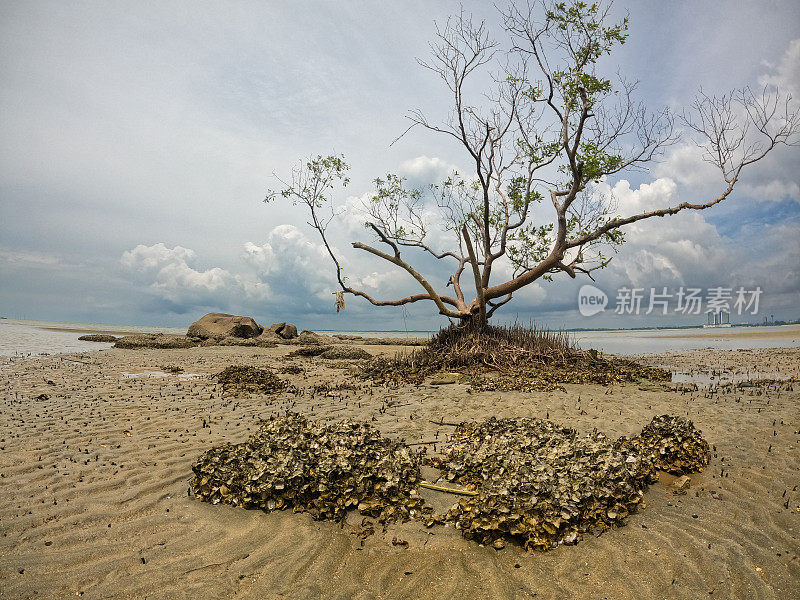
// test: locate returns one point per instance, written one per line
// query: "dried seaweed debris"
(238, 379)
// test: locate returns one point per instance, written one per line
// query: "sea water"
(36, 338)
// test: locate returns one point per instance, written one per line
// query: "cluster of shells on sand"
(672, 443)
(324, 469)
(542, 484)
(530, 480)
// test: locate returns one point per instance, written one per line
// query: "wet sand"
(87, 330)
(785, 331)
(96, 452)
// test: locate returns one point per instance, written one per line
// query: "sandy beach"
(786, 331)
(97, 450)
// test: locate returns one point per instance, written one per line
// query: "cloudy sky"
(137, 140)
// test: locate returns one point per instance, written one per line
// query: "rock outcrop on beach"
(98, 337)
(222, 325)
(154, 340)
(286, 331)
(222, 329)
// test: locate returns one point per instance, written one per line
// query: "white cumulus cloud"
(423, 170)
(786, 75)
(169, 275)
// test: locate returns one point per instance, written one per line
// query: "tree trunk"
(480, 296)
(476, 322)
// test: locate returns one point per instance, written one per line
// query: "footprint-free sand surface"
(96, 452)
(786, 331)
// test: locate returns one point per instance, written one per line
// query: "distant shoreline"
(122, 329)
(87, 330)
(786, 331)
(22, 337)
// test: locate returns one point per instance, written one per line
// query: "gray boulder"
(221, 325)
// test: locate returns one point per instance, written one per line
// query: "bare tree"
(548, 129)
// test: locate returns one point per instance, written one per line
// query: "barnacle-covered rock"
(155, 340)
(312, 350)
(326, 470)
(98, 337)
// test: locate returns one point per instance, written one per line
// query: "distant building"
(718, 319)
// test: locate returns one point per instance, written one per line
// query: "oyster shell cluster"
(548, 377)
(537, 483)
(326, 470)
(672, 443)
(346, 353)
(541, 484)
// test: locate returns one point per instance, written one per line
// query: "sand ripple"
(93, 493)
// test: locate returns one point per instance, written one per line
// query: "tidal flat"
(97, 448)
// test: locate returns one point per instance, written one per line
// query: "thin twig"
(439, 488)
(443, 423)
